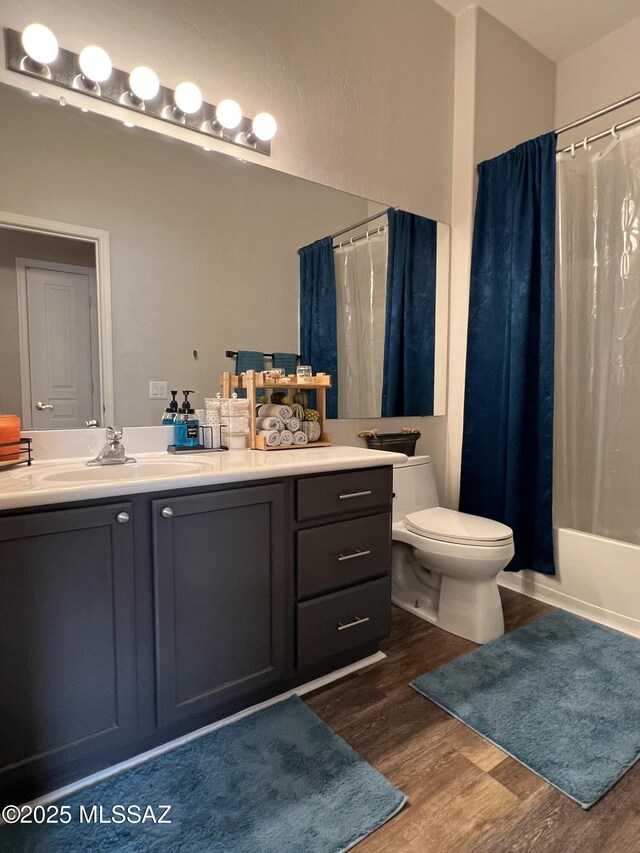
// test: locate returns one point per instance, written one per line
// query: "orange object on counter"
(9, 432)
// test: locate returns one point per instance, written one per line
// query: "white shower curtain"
(361, 287)
(597, 427)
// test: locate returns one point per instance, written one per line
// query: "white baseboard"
(136, 760)
(535, 588)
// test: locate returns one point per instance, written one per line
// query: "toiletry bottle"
(185, 425)
(171, 411)
(193, 425)
(179, 430)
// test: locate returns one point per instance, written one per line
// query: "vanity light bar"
(65, 70)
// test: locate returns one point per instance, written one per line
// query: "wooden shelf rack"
(253, 381)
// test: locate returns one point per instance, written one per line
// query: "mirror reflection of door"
(49, 299)
(60, 352)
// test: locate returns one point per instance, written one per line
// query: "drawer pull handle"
(356, 621)
(353, 555)
(122, 517)
(355, 495)
(167, 512)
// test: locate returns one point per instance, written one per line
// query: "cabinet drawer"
(341, 621)
(343, 554)
(335, 493)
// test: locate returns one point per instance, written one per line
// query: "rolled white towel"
(300, 438)
(286, 437)
(270, 422)
(293, 424)
(271, 436)
(273, 410)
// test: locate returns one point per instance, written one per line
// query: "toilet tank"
(414, 486)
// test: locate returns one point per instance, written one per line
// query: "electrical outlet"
(157, 390)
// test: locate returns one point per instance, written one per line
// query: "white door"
(60, 352)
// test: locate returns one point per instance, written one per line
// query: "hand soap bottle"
(185, 425)
(171, 411)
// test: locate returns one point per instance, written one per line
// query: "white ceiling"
(557, 28)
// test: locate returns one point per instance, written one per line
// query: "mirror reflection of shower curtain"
(361, 282)
(597, 431)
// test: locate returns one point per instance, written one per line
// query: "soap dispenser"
(171, 411)
(185, 425)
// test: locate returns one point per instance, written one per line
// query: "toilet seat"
(460, 528)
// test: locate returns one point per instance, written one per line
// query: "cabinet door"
(67, 637)
(221, 597)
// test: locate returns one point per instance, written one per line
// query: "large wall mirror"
(174, 256)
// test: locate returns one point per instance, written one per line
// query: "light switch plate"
(157, 390)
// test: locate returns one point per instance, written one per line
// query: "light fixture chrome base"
(83, 84)
(128, 99)
(64, 73)
(175, 115)
(29, 66)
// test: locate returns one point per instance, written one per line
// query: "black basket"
(23, 453)
(396, 442)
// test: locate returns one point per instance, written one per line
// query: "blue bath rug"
(561, 695)
(278, 781)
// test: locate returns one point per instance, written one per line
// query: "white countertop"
(52, 481)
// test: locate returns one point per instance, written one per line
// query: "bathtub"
(596, 577)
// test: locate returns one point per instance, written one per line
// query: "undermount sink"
(131, 471)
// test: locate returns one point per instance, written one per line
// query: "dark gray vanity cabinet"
(343, 548)
(67, 638)
(127, 623)
(220, 597)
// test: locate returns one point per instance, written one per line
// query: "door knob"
(42, 407)
(167, 512)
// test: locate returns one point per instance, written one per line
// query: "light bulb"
(264, 126)
(39, 44)
(144, 83)
(188, 98)
(95, 64)
(228, 114)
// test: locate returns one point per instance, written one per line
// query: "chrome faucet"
(113, 453)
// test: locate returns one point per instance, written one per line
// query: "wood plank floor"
(465, 795)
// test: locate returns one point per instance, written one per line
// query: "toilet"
(445, 563)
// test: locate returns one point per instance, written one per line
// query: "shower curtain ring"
(585, 143)
(573, 150)
(614, 133)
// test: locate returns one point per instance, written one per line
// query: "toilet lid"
(448, 525)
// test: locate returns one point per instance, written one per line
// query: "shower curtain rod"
(603, 112)
(358, 224)
(584, 143)
(364, 236)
